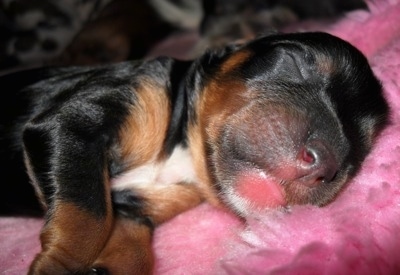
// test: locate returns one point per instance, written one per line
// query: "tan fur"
(235, 60)
(220, 98)
(128, 250)
(196, 141)
(130, 241)
(71, 244)
(325, 65)
(165, 202)
(143, 134)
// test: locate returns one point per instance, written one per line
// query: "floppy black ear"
(289, 64)
(280, 62)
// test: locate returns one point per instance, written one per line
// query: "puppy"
(113, 151)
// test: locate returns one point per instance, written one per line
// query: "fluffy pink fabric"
(356, 234)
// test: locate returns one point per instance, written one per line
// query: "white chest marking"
(177, 168)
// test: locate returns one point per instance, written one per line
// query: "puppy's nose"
(317, 164)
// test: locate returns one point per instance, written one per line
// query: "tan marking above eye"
(325, 65)
(234, 61)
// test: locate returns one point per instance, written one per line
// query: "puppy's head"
(288, 119)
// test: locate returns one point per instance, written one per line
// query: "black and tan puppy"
(113, 151)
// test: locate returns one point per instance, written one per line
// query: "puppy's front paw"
(128, 251)
(51, 263)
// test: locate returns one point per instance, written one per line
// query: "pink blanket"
(356, 234)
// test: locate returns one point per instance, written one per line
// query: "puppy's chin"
(260, 190)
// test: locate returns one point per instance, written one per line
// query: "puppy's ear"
(281, 63)
(291, 65)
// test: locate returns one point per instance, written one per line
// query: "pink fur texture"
(356, 234)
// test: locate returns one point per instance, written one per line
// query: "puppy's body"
(113, 151)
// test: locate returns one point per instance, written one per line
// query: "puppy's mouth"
(260, 190)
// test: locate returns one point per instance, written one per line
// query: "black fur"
(308, 93)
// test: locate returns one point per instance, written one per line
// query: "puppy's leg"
(66, 248)
(70, 175)
(165, 202)
(129, 251)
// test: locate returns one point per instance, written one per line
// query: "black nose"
(317, 164)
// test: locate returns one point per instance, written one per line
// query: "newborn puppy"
(113, 151)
